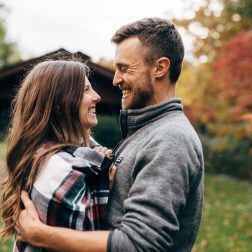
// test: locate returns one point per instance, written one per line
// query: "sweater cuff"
(109, 241)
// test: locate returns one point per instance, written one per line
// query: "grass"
(2, 150)
(6, 246)
(226, 224)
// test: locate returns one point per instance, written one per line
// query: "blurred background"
(215, 86)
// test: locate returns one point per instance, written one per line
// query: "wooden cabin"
(100, 77)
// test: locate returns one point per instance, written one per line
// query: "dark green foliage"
(226, 155)
(107, 132)
(4, 120)
(8, 50)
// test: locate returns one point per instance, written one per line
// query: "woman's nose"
(96, 97)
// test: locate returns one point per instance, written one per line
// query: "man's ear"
(162, 66)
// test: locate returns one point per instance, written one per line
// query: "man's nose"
(117, 79)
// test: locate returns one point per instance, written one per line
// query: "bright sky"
(42, 26)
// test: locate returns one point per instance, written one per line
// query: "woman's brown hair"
(46, 110)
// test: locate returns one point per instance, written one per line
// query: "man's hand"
(112, 172)
(28, 225)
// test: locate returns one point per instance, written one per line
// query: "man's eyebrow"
(120, 64)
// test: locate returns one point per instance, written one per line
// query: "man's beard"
(142, 96)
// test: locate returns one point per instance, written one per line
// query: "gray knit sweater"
(157, 196)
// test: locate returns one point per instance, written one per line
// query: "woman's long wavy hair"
(45, 110)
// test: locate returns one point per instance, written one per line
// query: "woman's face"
(87, 110)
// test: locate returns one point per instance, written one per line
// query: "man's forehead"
(120, 60)
(128, 45)
(128, 51)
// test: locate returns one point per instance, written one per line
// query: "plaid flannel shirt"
(72, 191)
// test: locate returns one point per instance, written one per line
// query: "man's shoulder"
(177, 130)
(177, 125)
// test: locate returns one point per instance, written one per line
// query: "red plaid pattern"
(72, 191)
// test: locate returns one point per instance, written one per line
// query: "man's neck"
(163, 92)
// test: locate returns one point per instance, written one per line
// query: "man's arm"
(158, 215)
(32, 230)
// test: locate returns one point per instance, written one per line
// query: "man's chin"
(132, 105)
(124, 106)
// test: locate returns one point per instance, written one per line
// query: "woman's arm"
(30, 229)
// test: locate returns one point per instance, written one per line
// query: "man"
(157, 196)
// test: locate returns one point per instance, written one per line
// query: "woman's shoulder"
(53, 174)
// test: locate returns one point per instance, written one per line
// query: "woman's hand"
(104, 150)
(112, 170)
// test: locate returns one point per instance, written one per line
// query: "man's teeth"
(125, 92)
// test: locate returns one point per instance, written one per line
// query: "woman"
(54, 109)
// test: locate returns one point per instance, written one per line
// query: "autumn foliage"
(233, 75)
(229, 150)
(218, 99)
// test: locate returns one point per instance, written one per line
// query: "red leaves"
(233, 74)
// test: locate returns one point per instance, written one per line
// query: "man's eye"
(123, 68)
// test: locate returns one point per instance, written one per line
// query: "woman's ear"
(162, 66)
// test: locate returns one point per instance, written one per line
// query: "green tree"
(196, 89)
(8, 50)
(215, 22)
(218, 93)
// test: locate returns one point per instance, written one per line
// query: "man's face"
(132, 75)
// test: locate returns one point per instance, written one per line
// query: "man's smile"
(125, 93)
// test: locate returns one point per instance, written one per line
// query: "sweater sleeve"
(166, 168)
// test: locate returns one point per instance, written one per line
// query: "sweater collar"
(133, 119)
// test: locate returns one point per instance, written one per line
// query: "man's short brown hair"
(161, 37)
